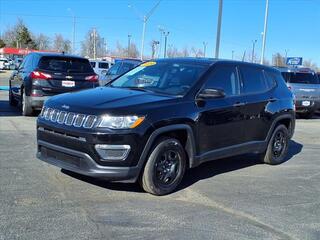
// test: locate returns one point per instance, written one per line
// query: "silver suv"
(304, 84)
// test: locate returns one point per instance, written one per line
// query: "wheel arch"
(183, 132)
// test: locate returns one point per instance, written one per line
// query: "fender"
(279, 118)
(190, 144)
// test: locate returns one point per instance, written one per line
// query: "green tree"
(2, 43)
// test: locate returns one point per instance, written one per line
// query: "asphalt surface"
(234, 198)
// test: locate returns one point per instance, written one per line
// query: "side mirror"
(211, 93)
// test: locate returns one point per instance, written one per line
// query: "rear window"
(104, 65)
(303, 78)
(65, 64)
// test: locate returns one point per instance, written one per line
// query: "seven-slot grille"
(68, 118)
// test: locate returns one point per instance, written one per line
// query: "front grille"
(68, 118)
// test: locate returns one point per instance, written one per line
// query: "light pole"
(218, 29)
(94, 35)
(232, 54)
(129, 44)
(286, 55)
(145, 18)
(264, 32)
(204, 48)
(253, 46)
(161, 29)
(73, 30)
(165, 43)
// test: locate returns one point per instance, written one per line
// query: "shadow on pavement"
(204, 171)
(7, 110)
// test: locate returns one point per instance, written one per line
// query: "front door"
(220, 121)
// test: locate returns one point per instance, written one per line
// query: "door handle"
(239, 104)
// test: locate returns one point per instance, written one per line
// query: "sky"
(293, 25)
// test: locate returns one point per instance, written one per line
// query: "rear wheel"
(277, 147)
(26, 107)
(165, 167)
(12, 100)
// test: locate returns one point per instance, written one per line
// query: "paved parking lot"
(235, 198)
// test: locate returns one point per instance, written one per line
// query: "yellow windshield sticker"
(148, 64)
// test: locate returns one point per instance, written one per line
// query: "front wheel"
(277, 147)
(165, 167)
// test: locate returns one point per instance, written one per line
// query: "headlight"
(122, 122)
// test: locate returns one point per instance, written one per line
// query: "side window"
(253, 80)
(225, 78)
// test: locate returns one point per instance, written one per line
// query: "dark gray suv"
(304, 84)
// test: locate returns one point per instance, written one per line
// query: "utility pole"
(129, 44)
(264, 32)
(218, 29)
(161, 29)
(286, 55)
(145, 19)
(204, 48)
(165, 43)
(232, 54)
(94, 36)
(253, 46)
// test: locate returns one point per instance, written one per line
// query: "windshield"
(161, 77)
(303, 78)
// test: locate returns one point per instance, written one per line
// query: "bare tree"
(42, 42)
(60, 44)
(93, 43)
(310, 64)
(278, 60)
(121, 51)
(197, 52)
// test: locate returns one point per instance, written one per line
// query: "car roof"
(211, 61)
(51, 54)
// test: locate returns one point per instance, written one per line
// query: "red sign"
(19, 51)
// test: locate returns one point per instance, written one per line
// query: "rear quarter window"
(65, 64)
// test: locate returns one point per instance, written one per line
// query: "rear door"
(66, 74)
(257, 94)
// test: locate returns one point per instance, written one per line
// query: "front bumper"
(37, 102)
(82, 163)
(307, 105)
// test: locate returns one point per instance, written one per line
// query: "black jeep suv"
(42, 75)
(165, 116)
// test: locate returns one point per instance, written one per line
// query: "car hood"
(105, 98)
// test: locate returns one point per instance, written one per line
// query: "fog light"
(113, 152)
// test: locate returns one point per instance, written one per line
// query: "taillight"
(40, 75)
(92, 78)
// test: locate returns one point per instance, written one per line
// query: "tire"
(165, 167)
(277, 147)
(12, 101)
(306, 115)
(26, 107)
